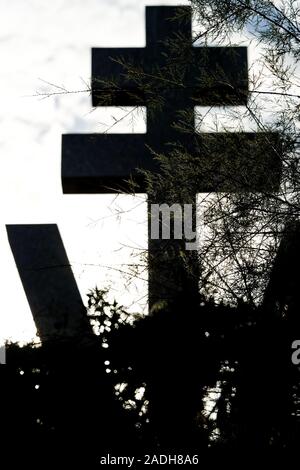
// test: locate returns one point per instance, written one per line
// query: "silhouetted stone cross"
(100, 163)
(96, 163)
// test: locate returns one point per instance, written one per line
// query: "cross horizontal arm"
(218, 76)
(208, 76)
(238, 162)
(97, 163)
(110, 84)
(226, 162)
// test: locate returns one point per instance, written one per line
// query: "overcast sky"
(51, 42)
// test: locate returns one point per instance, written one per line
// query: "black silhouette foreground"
(141, 386)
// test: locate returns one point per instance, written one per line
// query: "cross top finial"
(163, 22)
